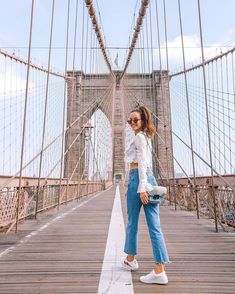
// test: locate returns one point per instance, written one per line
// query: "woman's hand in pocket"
(144, 197)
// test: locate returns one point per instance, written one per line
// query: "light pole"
(87, 135)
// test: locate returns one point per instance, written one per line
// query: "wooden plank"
(70, 252)
(67, 256)
(202, 261)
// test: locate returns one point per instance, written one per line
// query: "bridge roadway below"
(77, 250)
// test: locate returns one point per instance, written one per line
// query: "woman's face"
(135, 121)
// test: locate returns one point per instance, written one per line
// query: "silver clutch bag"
(155, 194)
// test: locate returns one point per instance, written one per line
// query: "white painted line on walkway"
(26, 238)
(114, 279)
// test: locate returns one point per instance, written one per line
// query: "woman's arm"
(141, 146)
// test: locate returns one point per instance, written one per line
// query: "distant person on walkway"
(138, 154)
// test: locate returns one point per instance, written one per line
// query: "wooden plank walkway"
(63, 252)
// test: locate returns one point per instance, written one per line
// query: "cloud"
(192, 51)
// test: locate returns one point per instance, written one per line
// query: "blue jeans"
(134, 205)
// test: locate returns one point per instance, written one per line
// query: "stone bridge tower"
(151, 89)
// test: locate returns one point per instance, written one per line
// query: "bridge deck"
(64, 252)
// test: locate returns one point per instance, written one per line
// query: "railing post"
(196, 190)
(214, 200)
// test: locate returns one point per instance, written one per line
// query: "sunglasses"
(135, 120)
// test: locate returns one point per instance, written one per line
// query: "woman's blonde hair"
(147, 125)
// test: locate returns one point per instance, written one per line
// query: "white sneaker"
(129, 265)
(153, 278)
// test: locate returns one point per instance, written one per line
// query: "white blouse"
(140, 151)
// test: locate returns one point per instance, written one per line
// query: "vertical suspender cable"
(81, 93)
(161, 88)
(223, 118)
(229, 115)
(25, 113)
(153, 86)
(207, 116)
(70, 117)
(144, 63)
(168, 84)
(188, 110)
(45, 104)
(147, 44)
(64, 105)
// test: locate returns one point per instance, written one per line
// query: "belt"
(134, 165)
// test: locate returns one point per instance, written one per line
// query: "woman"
(140, 176)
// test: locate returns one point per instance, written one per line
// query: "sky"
(117, 26)
(117, 20)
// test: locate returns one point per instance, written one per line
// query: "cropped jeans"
(134, 205)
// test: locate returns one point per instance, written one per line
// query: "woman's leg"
(153, 221)
(158, 243)
(130, 257)
(133, 210)
(158, 268)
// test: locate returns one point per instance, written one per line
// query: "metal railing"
(49, 195)
(184, 198)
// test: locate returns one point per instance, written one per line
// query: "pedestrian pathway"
(77, 250)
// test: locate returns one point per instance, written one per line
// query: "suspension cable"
(139, 22)
(91, 10)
